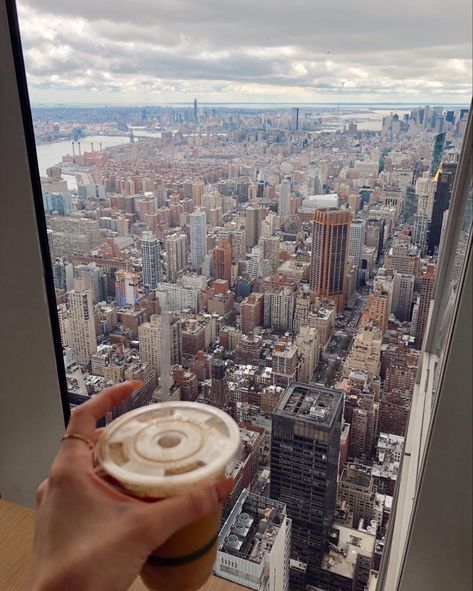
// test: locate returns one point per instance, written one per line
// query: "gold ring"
(79, 437)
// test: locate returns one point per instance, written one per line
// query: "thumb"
(165, 518)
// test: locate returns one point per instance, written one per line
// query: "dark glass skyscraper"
(305, 445)
(437, 152)
(443, 192)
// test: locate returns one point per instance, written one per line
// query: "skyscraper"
(195, 110)
(222, 261)
(330, 236)
(93, 279)
(150, 261)
(198, 236)
(83, 340)
(403, 292)
(176, 255)
(305, 444)
(284, 195)
(439, 146)
(63, 274)
(295, 119)
(149, 335)
(445, 178)
(126, 287)
(253, 223)
(357, 240)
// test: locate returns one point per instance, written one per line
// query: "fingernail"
(137, 384)
(224, 488)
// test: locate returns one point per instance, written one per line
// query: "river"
(52, 153)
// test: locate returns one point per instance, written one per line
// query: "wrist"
(47, 582)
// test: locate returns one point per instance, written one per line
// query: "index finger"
(84, 418)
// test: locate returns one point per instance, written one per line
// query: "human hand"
(88, 535)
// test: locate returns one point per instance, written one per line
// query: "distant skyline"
(157, 52)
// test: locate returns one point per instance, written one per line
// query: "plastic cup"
(168, 449)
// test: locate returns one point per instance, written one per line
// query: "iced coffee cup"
(163, 450)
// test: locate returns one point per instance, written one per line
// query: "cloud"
(299, 50)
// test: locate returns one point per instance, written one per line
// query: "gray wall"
(31, 417)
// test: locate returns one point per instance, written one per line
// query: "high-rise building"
(285, 362)
(402, 297)
(92, 278)
(308, 344)
(197, 193)
(149, 336)
(252, 224)
(365, 354)
(284, 196)
(295, 119)
(437, 152)
(330, 237)
(403, 258)
(271, 246)
(305, 445)
(219, 388)
(222, 261)
(375, 234)
(82, 335)
(254, 544)
(278, 308)
(445, 178)
(176, 255)
(63, 274)
(60, 203)
(357, 240)
(63, 318)
(195, 111)
(420, 230)
(127, 286)
(378, 305)
(198, 237)
(361, 412)
(251, 312)
(357, 489)
(150, 261)
(426, 289)
(410, 205)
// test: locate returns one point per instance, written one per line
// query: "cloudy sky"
(157, 51)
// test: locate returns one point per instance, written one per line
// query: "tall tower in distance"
(198, 237)
(284, 195)
(150, 261)
(83, 338)
(444, 179)
(195, 110)
(328, 267)
(305, 444)
(295, 119)
(439, 146)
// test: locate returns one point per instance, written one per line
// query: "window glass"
(241, 197)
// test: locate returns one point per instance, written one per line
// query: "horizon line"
(256, 103)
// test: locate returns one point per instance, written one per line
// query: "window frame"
(33, 404)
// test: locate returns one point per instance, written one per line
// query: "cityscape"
(277, 262)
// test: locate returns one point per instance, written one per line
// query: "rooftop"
(252, 527)
(358, 475)
(342, 556)
(310, 402)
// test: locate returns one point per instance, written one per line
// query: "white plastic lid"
(166, 449)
